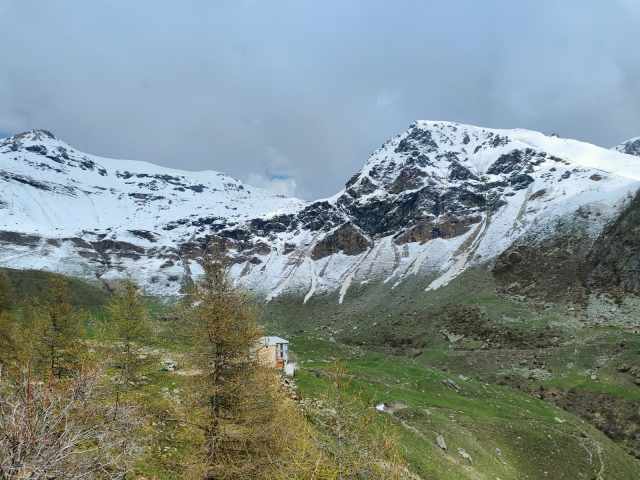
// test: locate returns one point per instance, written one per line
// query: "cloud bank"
(294, 96)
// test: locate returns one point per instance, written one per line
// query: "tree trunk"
(126, 368)
(212, 434)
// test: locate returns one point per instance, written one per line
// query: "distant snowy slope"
(430, 202)
(92, 206)
(630, 147)
(50, 185)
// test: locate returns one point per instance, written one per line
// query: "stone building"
(274, 351)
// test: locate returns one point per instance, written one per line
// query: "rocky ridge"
(630, 147)
(432, 201)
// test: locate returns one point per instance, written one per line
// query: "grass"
(509, 434)
(88, 297)
(478, 418)
(33, 283)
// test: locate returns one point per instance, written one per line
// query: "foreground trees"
(65, 428)
(128, 324)
(343, 437)
(59, 417)
(245, 425)
(230, 417)
(235, 398)
(54, 328)
(353, 440)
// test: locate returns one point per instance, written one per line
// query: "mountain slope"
(65, 210)
(442, 197)
(431, 202)
(630, 147)
(507, 256)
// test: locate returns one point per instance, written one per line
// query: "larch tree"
(9, 342)
(7, 293)
(128, 324)
(235, 399)
(54, 328)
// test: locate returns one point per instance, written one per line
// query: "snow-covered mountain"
(431, 202)
(64, 210)
(630, 147)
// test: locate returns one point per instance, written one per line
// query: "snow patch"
(345, 285)
(314, 280)
(283, 284)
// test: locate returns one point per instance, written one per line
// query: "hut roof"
(269, 341)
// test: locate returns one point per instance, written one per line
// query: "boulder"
(451, 384)
(464, 455)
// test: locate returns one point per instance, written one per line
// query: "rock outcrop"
(433, 201)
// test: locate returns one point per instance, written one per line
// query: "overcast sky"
(295, 95)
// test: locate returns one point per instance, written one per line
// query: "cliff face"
(431, 202)
(614, 261)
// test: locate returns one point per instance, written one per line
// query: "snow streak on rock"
(314, 280)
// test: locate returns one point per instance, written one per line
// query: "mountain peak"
(453, 153)
(35, 135)
(630, 147)
(434, 152)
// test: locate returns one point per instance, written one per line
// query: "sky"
(294, 96)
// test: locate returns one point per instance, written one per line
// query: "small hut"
(274, 351)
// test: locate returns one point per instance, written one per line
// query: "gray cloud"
(294, 96)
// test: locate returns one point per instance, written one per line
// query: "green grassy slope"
(30, 283)
(508, 433)
(542, 348)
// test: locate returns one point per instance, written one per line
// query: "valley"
(482, 283)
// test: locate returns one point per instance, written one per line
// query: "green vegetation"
(494, 402)
(548, 350)
(7, 294)
(126, 329)
(234, 402)
(508, 434)
(354, 440)
(34, 283)
(9, 341)
(52, 328)
(79, 400)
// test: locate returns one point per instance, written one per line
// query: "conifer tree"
(128, 324)
(235, 398)
(54, 327)
(8, 338)
(7, 294)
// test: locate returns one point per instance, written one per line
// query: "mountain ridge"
(432, 201)
(630, 147)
